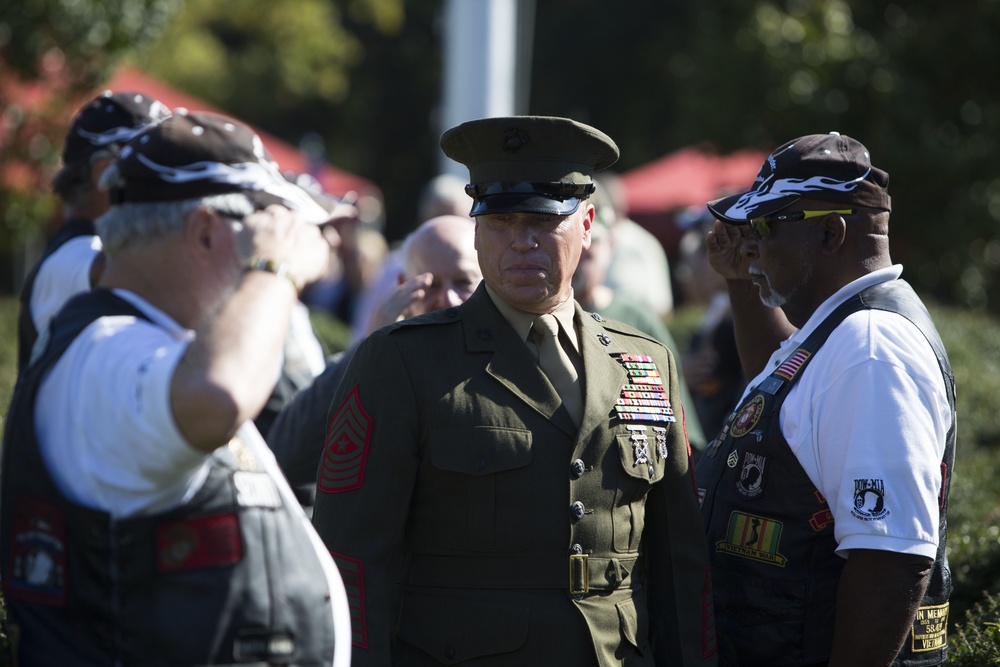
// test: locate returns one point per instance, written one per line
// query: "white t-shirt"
(64, 274)
(103, 418)
(867, 420)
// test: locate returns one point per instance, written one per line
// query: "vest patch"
(256, 489)
(930, 629)
(208, 541)
(260, 645)
(347, 438)
(869, 500)
(38, 552)
(748, 417)
(754, 537)
(750, 485)
(793, 363)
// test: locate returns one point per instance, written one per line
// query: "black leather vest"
(774, 570)
(230, 577)
(26, 332)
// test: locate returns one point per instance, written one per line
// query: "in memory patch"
(930, 628)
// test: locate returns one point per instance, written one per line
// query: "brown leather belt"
(585, 572)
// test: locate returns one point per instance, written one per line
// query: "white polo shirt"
(867, 420)
(64, 274)
(103, 418)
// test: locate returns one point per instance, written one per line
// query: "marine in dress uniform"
(479, 515)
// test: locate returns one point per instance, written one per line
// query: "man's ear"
(200, 229)
(834, 232)
(97, 167)
(588, 223)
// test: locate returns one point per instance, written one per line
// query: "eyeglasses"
(761, 226)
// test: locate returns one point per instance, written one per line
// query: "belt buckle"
(579, 573)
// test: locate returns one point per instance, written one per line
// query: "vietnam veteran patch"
(347, 436)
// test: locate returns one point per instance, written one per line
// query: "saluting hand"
(395, 307)
(279, 235)
(724, 244)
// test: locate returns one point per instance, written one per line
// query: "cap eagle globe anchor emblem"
(514, 139)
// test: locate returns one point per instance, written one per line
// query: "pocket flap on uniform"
(480, 450)
(452, 631)
(641, 458)
(634, 628)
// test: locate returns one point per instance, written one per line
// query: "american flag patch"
(792, 364)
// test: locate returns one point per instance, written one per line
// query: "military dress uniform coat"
(475, 524)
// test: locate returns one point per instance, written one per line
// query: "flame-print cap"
(199, 154)
(827, 167)
(108, 121)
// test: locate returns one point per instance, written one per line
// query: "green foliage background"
(914, 81)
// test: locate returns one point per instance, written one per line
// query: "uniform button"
(449, 652)
(577, 468)
(479, 464)
(576, 549)
(576, 510)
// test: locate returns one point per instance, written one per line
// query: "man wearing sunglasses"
(825, 494)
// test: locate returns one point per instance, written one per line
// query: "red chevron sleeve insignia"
(347, 436)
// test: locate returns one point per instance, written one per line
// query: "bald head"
(443, 247)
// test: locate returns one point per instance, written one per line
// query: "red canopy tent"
(687, 177)
(289, 158)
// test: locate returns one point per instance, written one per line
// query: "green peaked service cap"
(529, 164)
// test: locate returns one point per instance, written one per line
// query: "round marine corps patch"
(748, 417)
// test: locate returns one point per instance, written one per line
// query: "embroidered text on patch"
(754, 537)
(347, 437)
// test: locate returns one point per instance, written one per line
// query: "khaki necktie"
(557, 365)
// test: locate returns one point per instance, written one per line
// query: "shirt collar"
(521, 320)
(840, 296)
(156, 315)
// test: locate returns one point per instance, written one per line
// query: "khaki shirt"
(472, 521)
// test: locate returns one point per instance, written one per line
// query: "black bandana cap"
(829, 167)
(108, 122)
(199, 154)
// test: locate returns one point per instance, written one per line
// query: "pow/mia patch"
(347, 437)
(751, 482)
(753, 537)
(869, 500)
(38, 552)
(748, 417)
